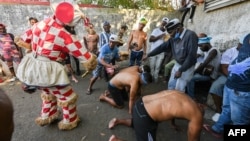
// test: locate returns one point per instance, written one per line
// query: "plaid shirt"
(48, 38)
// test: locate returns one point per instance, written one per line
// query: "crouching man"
(171, 104)
(131, 79)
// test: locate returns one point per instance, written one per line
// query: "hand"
(177, 75)
(144, 58)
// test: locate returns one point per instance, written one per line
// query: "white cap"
(165, 19)
(114, 38)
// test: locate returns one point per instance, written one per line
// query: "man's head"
(164, 22)
(204, 43)
(106, 26)
(145, 68)
(32, 21)
(174, 26)
(113, 40)
(2, 28)
(142, 23)
(146, 78)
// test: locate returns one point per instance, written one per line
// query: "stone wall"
(224, 25)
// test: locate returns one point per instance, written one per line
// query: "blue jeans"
(135, 57)
(235, 109)
(191, 84)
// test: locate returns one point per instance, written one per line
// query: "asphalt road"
(94, 115)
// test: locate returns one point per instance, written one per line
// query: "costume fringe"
(68, 126)
(47, 97)
(40, 121)
(67, 103)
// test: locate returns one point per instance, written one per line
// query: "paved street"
(94, 116)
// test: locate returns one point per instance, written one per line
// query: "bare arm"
(132, 96)
(210, 57)
(224, 69)
(130, 40)
(145, 44)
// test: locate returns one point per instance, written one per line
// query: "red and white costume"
(50, 43)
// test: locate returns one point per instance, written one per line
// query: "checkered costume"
(50, 43)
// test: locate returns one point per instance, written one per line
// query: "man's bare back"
(168, 105)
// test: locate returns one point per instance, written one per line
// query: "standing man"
(9, 51)
(236, 93)
(156, 39)
(137, 44)
(183, 45)
(50, 44)
(104, 36)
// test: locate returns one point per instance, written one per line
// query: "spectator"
(183, 46)
(6, 117)
(216, 89)
(188, 5)
(236, 93)
(9, 52)
(211, 59)
(156, 39)
(32, 21)
(137, 44)
(91, 41)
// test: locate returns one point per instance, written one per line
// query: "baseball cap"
(106, 23)
(143, 21)
(173, 24)
(114, 38)
(165, 19)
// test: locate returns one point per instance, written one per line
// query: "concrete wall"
(224, 25)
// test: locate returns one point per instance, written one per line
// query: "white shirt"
(156, 32)
(189, 3)
(229, 55)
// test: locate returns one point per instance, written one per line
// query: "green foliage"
(133, 4)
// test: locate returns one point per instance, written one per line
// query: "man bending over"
(131, 78)
(171, 104)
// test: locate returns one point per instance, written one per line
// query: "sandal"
(211, 131)
(89, 91)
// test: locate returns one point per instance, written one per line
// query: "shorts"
(98, 70)
(118, 95)
(145, 127)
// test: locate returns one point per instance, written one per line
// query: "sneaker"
(216, 117)
(190, 20)
(211, 131)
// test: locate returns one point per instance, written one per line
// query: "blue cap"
(106, 23)
(204, 40)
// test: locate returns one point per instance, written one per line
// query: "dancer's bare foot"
(114, 138)
(112, 123)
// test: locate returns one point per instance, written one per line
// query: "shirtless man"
(91, 41)
(131, 78)
(137, 44)
(6, 117)
(170, 104)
